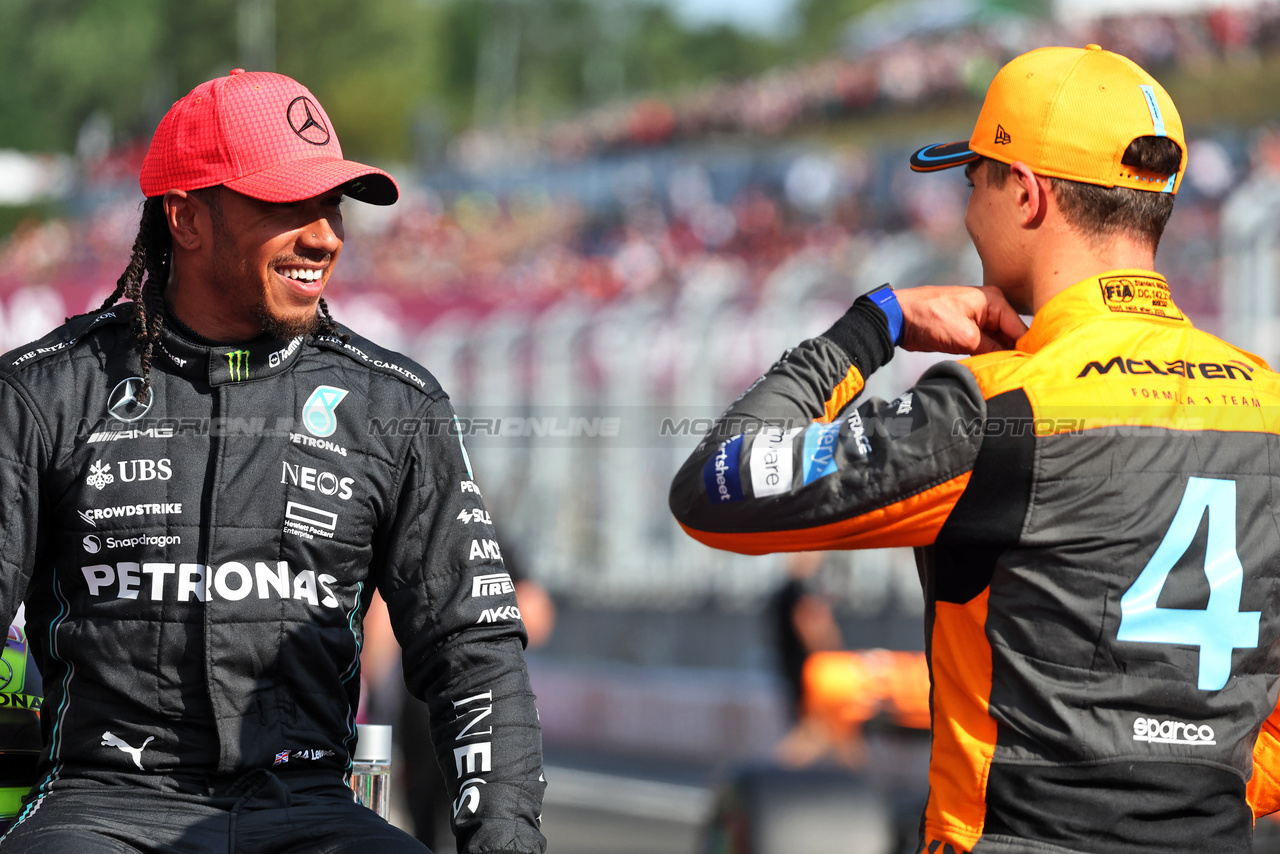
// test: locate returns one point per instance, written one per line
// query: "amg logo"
(491, 585)
(484, 550)
(499, 615)
(1177, 367)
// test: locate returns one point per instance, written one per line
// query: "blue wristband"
(887, 302)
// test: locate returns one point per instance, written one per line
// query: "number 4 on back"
(1220, 627)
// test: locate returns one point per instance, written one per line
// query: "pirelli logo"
(494, 584)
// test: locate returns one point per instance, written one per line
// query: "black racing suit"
(196, 570)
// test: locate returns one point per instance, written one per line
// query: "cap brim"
(309, 177)
(945, 155)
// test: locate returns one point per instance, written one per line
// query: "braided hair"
(143, 281)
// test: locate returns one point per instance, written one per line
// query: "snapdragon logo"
(1155, 731)
(231, 581)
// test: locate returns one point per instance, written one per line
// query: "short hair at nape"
(1100, 213)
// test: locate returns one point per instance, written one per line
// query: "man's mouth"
(301, 274)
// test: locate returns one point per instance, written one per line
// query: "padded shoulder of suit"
(75, 331)
(364, 352)
(997, 372)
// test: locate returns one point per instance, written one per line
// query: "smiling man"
(200, 491)
(1091, 500)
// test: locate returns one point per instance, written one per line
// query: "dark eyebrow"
(968, 170)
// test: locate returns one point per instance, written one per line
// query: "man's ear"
(1031, 194)
(187, 218)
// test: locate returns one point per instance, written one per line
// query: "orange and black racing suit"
(1094, 517)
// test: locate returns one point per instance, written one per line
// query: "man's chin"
(285, 328)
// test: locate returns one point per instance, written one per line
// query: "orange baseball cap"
(261, 134)
(1069, 113)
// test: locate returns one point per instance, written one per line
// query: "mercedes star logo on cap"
(302, 118)
(123, 403)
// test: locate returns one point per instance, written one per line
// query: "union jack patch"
(281, 757)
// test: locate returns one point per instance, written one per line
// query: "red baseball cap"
(261, 134)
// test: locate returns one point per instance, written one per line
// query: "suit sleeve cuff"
(864, 332)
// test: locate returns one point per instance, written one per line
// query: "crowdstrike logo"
(94, 515)
(1155, 731)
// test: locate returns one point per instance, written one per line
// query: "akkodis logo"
(317, 412)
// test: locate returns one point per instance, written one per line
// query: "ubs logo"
(307, 121)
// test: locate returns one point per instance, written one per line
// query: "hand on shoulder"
(958, 319)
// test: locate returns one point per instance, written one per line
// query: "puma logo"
(109, 740)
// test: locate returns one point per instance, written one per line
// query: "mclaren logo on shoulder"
(123, 403)
(307, 121)
(1232, 370)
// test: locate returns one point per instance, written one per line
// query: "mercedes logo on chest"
(123, 403)
(307, 121)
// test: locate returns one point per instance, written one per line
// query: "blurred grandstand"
(593, 291)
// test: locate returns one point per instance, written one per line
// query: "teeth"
(301, 274)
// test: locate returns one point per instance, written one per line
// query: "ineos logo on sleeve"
(307, 121)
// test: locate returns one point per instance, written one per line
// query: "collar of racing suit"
(1114, 295)
(223, 364)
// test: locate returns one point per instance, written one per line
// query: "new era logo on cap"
(260, 134)
(1002, 136)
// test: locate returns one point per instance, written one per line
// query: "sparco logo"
(238, 364)
(123, 403)
(307, 121)
(1171, 732)
(231, 581)
(491, 585)
(317, 481)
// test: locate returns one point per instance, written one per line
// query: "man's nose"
(321, 236)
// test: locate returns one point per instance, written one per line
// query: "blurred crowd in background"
(636, 198)
(660, 252)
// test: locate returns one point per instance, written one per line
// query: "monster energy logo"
(238, 364)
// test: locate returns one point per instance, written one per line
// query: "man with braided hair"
(201, 489)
